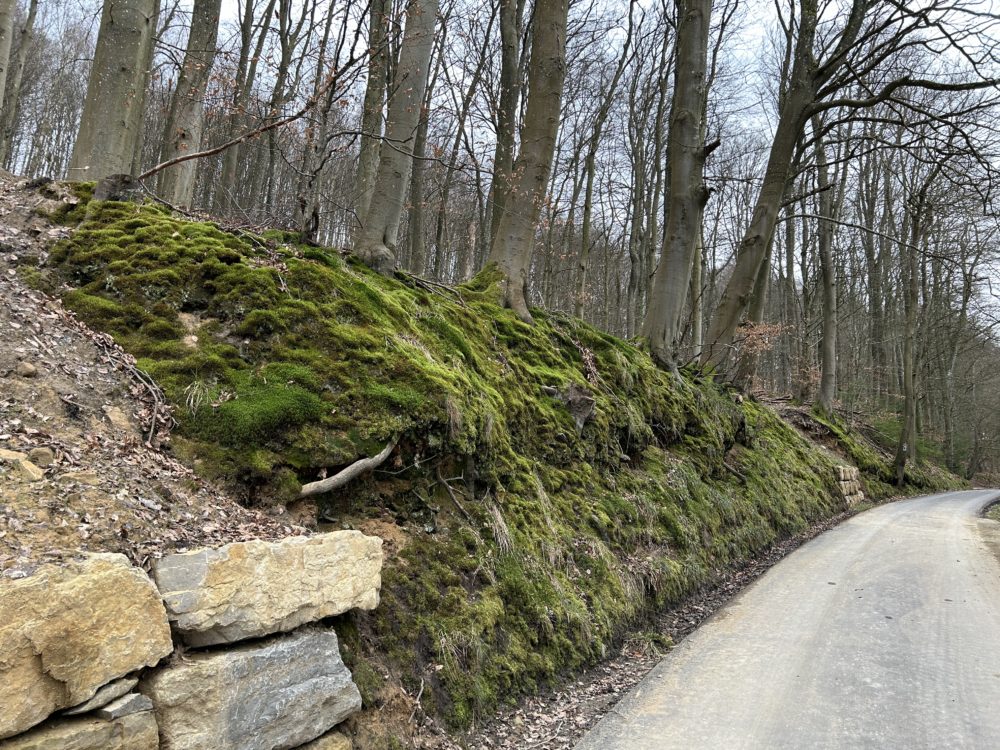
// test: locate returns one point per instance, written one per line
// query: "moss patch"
(531, 547)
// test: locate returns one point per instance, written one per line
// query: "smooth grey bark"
(111, 123)
(512, 248)
(185, 121)
(11, 90)
(687, 195)
(371, 114)
(511, 29)
(376, 242)
(7, 9)
(756, 241)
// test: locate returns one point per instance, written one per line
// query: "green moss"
(548, 544)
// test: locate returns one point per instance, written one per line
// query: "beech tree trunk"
(7, 10)
(11, 92)
(182, 133)
(511, 13)
(512, 248)
(376, 243)
(111, 124)
(371, 115)
(687, 195)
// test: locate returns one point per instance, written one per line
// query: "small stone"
(11, 457)
(26, 370)
(332, 741)
(28, 471)
(105, 695)
(88, 478)
(127, 705)
(41, 456)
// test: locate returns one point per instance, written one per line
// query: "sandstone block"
(135, 732)
(272, 695)
(251, 589)
(68, 630)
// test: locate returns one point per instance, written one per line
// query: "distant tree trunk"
(111, 124)
(246, 73)
(182, 133)
(511, 13)
(583, 259)
(511, 251)
(828, 343)
(371, 115)
(7, 10)
(11, 93)
(687, 194)
(376, 243)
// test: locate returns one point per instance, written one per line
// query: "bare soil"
(74, 403)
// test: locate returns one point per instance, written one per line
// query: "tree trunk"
(757, 238)
(7, 11)
(828, 343)
(111, 124)
(511, 251)
(182, 133)
(376, 243)
(511, 13)
(15, 77)
(371, 116)
(687, 194)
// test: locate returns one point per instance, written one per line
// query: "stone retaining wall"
(83, 647)
(849, 484)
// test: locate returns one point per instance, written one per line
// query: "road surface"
(882, 633)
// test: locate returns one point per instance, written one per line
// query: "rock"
(332, 741)
(26, 370)
(135, 732)
(28, 471)
(88, 478)
(10, 457)
(127, 705)
(41, 456)
(250, 589)
(70, 629)
(270, 695)
(105, 695)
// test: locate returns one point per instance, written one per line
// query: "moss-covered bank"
(526, 547)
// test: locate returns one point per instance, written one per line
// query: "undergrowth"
(530, 547)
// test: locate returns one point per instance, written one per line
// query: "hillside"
(549, 487)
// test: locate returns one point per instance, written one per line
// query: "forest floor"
(79, 431)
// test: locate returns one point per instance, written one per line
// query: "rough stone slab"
(68, 630)
(135, 732)
(105, 695)
(251, 589)
(127, 705)
(332, 741)
(272, 695)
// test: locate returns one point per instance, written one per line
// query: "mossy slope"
(530, 547)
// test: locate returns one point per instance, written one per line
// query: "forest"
(799, 196)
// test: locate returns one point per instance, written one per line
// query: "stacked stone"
(77, 642)
(849, 484)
